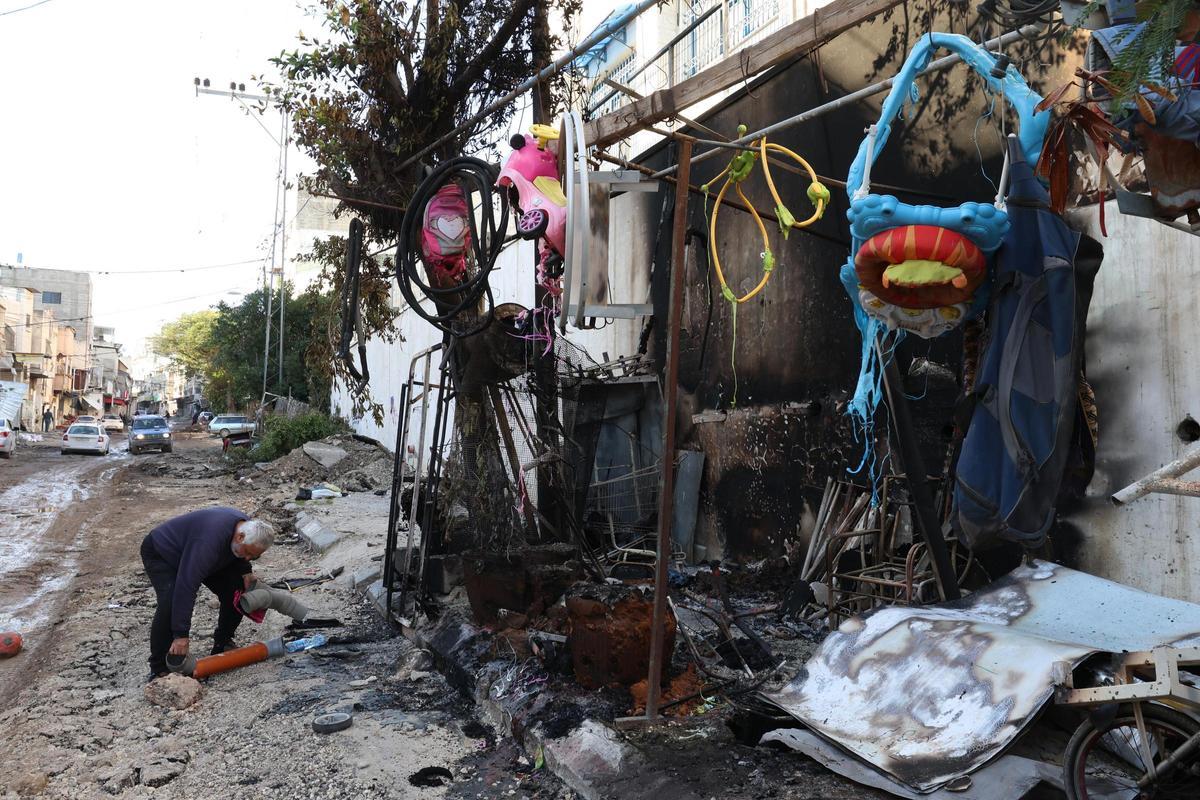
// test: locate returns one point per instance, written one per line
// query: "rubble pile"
(349, 463)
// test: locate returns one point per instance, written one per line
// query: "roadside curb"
(315, 534)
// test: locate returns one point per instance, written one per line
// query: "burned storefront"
(837, 489)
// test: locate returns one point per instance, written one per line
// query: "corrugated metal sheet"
(927, 694)
(12, 395)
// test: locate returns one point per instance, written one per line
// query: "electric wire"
(475, 177)
(23, 8)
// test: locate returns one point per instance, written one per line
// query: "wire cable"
(474, 177)
(24, 8)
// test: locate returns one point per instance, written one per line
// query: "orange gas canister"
(10, 644)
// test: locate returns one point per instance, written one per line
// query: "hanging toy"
(923, 269)
(531, 172)
(446, 237)
(739, 169)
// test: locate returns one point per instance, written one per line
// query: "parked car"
(8, 439)
(205, 417)
(89, 438)
(112, 422)
(149, 432)
(226, 424)
(85, 420)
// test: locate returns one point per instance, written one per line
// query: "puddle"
(32, 566)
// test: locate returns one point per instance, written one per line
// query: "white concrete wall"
(1142, 353)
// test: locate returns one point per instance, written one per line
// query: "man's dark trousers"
(222, 583)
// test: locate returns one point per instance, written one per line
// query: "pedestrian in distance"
(47, 419)
(212, 547)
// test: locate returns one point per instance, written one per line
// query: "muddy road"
(45, 502)
(74, 718)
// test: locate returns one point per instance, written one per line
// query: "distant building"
(68, 294)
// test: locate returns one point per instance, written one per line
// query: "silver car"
(8, 439)
(227, 424)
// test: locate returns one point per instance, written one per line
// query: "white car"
(112, 422)
(227, 424)
(86, 419)
(85, 439)
(8, 439)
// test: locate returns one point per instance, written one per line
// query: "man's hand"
(179, 647)
(248, 580)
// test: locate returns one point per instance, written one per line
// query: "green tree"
(187, 342)
(226, 346)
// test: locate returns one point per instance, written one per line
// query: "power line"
(195, 268)
(124, 310)
(24, 8)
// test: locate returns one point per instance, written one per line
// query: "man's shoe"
(221, 647)
(154, 675)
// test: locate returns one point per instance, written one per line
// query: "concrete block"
(317, 535)
(377, 594)
(324, 454)
(588, 759)
(365, 575)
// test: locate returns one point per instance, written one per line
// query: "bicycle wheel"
(1105, 760)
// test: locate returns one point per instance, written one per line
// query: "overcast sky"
(109, 160)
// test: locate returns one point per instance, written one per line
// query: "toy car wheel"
(533, 223)
(166, 449)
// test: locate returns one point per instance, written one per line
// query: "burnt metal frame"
(1143, 676)
(407, 400)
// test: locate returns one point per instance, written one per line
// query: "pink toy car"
(532, 173)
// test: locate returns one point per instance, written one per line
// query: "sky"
(109, 160)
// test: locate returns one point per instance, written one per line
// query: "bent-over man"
(212, 547)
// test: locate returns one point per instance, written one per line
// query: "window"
(52, 298)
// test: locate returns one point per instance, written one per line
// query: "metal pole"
(553, 69)
(269, 277)
(854, 97)
(412, 516)
(676, 39)
(270, 290)
(666, 496)
(394, 509)
(283, 251)
(918, 483)
(1140, 488)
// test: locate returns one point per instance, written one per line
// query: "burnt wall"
(770, 390)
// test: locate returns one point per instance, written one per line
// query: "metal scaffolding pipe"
(1163, 480)
(676, 39)
(598, 35)
(845, 100)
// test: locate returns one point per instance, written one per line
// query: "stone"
(152, 731)
(174, 691)
(324, 454)
(115, 780)
(160, 773)
(31, 784)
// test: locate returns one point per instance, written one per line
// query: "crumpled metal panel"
(927, 694)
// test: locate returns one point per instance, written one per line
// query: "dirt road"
(72, 710)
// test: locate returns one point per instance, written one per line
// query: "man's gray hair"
(257, 533)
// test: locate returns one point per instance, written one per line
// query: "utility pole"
(282, 249)
(237, 92)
